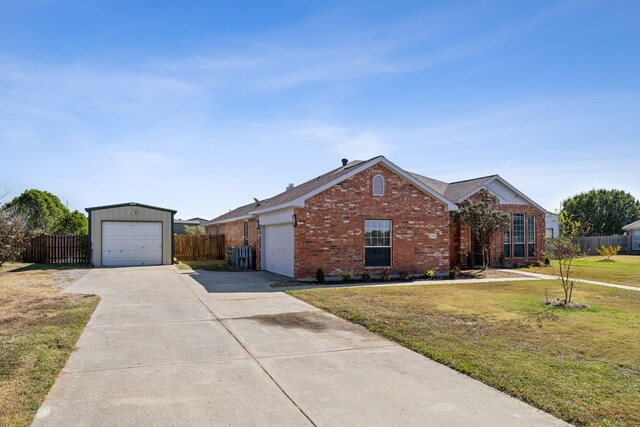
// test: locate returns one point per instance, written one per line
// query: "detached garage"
(130, 234)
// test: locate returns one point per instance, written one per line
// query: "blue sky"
(201, 106)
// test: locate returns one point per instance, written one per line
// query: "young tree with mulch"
(564, 251)
(484, 219)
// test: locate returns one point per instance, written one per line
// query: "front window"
(506, 241)
(377, 243)
(518, 235)
(636, 240)
(531, 236)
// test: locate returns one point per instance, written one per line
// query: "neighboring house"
(373, 216)
(633, 231)
(178, 224)
(552, 226)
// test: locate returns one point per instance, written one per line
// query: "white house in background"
(552, 226)
(633, 231)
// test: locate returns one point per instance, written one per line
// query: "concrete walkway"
(593, 282)
(212, 348)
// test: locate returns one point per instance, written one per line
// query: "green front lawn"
(622, 269)
(581, 365)
(39, 327)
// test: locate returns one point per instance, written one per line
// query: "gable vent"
(378, 185)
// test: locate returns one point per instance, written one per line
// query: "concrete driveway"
(211, 348)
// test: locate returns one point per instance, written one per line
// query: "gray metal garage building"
(129, 234)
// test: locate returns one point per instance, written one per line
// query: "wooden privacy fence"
(589, 244)
(243, 257)
(57, 249)
(198, 248)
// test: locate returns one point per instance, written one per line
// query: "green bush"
(471, 259)
(366, 276)
(501, 258)
(346, 276)
(320, 275)
(547, 262)
(384, 275)
(430, 274)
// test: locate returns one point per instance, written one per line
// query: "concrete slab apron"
(251, 355)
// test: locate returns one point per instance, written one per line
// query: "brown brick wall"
(234, 232)
(330, 231)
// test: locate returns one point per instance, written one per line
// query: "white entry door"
(131, 243)
(277, 250)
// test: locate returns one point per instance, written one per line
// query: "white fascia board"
(299, 202)
(510, 187)
(632, 226)
(224, 221)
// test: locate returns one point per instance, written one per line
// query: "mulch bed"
(464, 275)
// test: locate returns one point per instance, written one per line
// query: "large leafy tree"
(484, 220)
(72, 223)
(604, 211)
(45, 213)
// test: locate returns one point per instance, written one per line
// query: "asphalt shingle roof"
(452, 191)
(290, 195)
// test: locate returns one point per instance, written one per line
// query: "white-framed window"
(377, 243)
(378, 185)
(531, 236)
(506, 241)
(518, 235)
(635, 245)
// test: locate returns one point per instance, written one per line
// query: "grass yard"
(580, 365)
(39, 327)
(622, 270)
(218, 265)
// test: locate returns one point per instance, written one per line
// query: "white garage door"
(278, 249)
(131, 243)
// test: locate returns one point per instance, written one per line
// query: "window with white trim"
(377, 243)
(531, 236)
(378, 185)
(518, 235)
(636, 240)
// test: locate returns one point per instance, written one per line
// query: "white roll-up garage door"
(278, 249)
(131, 243)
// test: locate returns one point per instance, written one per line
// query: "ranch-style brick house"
(373, 216)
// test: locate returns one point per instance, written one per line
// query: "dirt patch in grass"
(581, 365)
(39, 326)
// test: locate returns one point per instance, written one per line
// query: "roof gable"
(632, 226)
(120, 205)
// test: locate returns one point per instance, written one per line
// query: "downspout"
(89, 246)
(172, 239)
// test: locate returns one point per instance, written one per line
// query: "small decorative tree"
(13, 234)
(194, 230)
(608, 251)
(484, 220)
(564, 250)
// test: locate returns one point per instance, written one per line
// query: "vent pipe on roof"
(344, 162)
(290, 186)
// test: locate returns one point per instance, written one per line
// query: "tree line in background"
(31, 213)
(601, 212)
